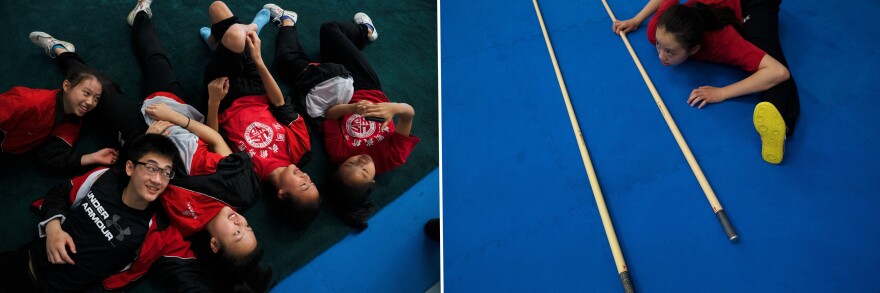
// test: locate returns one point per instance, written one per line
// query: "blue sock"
(261, 19)
(57, 46)
(205, 32)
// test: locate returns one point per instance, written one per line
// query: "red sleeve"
(727, 46)
(652, 24)
(204, 160)
(334, 140)
(158, 244)
(299, 142)
(397, 150)
(13, 110)
(68, 132)
(8, 111)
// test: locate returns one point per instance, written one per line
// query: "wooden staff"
(710, 195)
(588, 164)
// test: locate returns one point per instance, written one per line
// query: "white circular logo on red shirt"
(258, 135)
(359, 127)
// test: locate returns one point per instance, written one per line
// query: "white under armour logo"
(746, 18)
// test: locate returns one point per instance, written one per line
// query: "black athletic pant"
(761, 28)
(341, 43)
(121, 112)
(156, 68)
(290, 58)
(155, 65)
(244, 80)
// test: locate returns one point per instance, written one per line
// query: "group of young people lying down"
(173, 196)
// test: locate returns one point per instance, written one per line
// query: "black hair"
(350, 202)
(149, 143)
(294, 211)
(689, 23)
(230, 273)
(78, 73)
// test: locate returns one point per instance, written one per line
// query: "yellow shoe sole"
(771, 127)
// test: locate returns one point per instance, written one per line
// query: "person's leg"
(290, 58)
(341, 43)
(155, 65)
(229, 59)
(761, 28)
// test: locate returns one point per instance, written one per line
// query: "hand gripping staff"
(710, 195)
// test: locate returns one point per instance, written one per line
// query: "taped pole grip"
(682, 144)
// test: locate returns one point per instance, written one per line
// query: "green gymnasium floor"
(405, 58)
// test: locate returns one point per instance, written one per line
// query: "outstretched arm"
(160, 111)
(57, 156)
(632, 24)
(272, 89)
(770, 73)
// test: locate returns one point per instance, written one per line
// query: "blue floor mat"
(518, 211)
(393, 255)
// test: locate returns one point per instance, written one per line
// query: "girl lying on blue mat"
(742, 33)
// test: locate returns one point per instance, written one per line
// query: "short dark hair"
(296, 212)
(78, 73)
(350, 202)
(150, 143)
(230, 273)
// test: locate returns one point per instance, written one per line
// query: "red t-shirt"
(204, 161)
(725, 46)
(190, 210)
(251, 127)
(352, 135)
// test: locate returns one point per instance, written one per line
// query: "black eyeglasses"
(153, 169)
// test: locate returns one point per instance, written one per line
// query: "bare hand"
(384, 110)
(160, 127)
(253, 43)
(56, 245)
(625, 26)
(217, 89)
(706, 95)
(361, 107)
(106, 156)
(160, 111)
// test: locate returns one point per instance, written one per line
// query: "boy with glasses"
(93, 225)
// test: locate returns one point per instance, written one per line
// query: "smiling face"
(358, 170)
(670, 50)
(295, 182)
(230, 231)
(148, 185)
(81, 98)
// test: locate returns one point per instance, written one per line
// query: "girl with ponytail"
(742, 33)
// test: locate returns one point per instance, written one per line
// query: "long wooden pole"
(710, 195)
(588, 164)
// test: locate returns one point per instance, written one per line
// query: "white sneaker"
(45, 41)
(362, 18)
(276, 13)
(143, 5)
